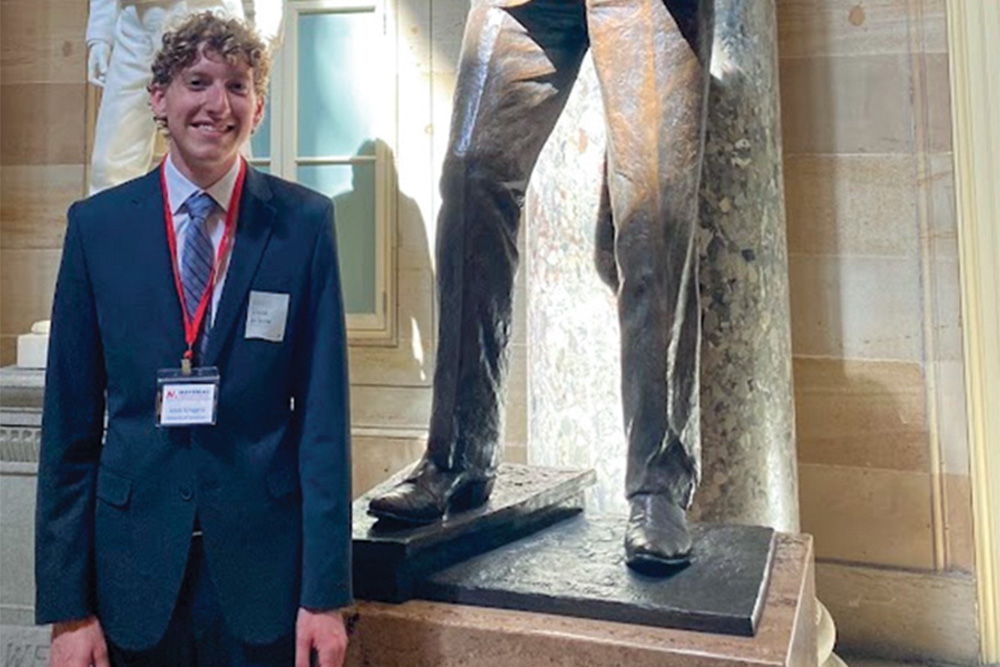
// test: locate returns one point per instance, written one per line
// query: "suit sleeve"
(325, 445)
(72, 429)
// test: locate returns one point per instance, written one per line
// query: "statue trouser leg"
(517, 68)
(653, 82)
(124, 132)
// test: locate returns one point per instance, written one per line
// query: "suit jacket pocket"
(283, 482)
(113, 488)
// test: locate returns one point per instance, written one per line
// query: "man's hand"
(323, 631)
(97, 62)
(78, 644)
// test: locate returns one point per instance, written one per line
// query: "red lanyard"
(193, 324)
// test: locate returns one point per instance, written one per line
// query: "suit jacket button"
(186, 492)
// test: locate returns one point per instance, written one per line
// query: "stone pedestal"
(434, 634)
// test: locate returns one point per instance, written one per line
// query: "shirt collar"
(179, 188)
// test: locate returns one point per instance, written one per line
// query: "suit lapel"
(253, 229)
(150, 242)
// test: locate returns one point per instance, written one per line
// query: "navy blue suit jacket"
(270, 482)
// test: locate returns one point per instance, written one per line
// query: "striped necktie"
(199, 256)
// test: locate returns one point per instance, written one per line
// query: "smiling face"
(209, 110)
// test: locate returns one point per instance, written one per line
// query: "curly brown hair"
(230, 38)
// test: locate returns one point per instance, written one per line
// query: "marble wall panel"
(852, 205)
(901, 615)
(944, 306)
(442, 91)
(413, 137)
(414, 23)
(856, 307)
(939, 190)
(414, 242)
(35, 199)
(375, 365)
(43, 123)
(949, 377)
(866, 515)
(865, 414)
(936, 98)
(377, 455)
(846, 104)
(43, 42)
(408, 362)
(27, 282)
(515, 453)
(516, 417)
(374, 458)
(390, 407)
(8, 349)
(448, 26)
(848, 27)
(958, 523)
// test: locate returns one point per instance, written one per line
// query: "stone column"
(748, 424)
(747, 409)
(747, 403)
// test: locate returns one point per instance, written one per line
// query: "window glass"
(352, 188)
(334, 82)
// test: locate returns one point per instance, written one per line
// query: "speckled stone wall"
(573, 363)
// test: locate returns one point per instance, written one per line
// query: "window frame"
(378, 327)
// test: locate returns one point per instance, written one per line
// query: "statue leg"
(517, 68)
(651, 58)
(124, 132)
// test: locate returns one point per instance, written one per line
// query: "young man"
(200, 305)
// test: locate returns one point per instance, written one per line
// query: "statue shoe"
(657, 534)
(429, 492)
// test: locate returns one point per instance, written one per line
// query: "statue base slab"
(577, 568)
(391, 558)
(437, 634)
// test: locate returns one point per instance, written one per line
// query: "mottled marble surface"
(574, 409)
(748, 451)
(573, 345)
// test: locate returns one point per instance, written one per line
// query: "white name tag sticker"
(187, 404)
(267, 313)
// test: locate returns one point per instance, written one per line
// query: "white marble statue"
(122, 37)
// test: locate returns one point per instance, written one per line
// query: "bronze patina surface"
(518, 63)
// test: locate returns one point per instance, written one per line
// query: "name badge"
(187, 399)
(266, 316)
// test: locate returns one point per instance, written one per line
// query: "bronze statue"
(519, 61)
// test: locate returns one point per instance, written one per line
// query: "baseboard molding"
(901, 615)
